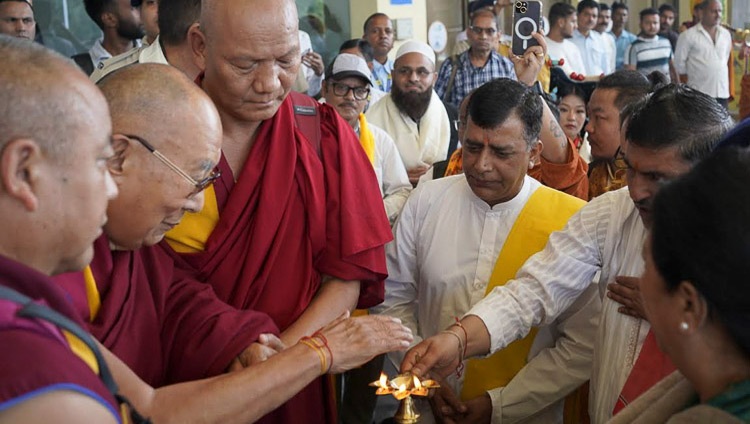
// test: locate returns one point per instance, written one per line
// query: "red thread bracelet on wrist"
(466, 334)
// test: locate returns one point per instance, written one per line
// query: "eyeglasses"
(479, 30)
(341, 90)
(198, 185)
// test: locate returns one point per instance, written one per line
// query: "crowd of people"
(204, 222)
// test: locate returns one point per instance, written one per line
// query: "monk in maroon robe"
(54, 139)
(132, 291)
(295, 227)
(54, 234)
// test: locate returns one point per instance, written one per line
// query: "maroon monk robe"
(35, 358)
(294, 214)
(166, 326)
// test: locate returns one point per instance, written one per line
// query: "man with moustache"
(437, 273)
(478, 65)
(378, 31)
(17, 19)
(702, 54)
(563, 21)
(606, 236)
(603, 25)
(589, 42)
(295, 185)
(650, 52)
(346, 88)
(623, 37)
(412, 112)
(170, 47)
(666, 24)
(120, 22)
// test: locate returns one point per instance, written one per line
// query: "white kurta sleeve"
(555, 371)
(551, 280)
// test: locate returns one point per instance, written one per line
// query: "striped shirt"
(649, 54)
(468, 77)
(606, 237)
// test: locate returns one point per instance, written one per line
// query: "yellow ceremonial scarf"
(366, 139)
(195, 228)
(547, 210)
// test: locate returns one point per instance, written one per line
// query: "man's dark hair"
(701, 235)
(370, 18)
(95, 8)
(175, 18)
(559, 11)
(648, 12)
(666, 8)
(617, 5)
(349, 44)
(604, 6)
(677, 115)
(587, 4)
(362, 45)
(631, 86)
(492, 104)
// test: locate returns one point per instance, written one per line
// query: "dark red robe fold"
(166, 326)
(294, 214)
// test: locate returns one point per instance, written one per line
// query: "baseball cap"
(349, 65)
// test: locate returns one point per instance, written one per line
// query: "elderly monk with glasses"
(162, 325)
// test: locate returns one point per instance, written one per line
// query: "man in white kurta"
(446, 245)
(412, 113)
(346, 88)
(605, 237)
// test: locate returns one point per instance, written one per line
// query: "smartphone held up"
(527, 19)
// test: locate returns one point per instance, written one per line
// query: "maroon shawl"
(164, 325)
(293, 214)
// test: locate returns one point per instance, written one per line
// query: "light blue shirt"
(621, 43)
(381, 75)
(593, 52)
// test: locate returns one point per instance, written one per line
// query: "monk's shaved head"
(249, 53)
(154, 100)
(43, 96)
(219, 12)
(158, 104)
(54, 145)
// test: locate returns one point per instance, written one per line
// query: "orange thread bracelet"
(321, 354)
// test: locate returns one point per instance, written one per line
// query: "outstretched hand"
(354, 341)
(528, 66)
(438, 354)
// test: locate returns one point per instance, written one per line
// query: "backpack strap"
(83, 60)
(307, 118)
(454, 69)
(33, 310)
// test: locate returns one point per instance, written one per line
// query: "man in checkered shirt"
(478, 65)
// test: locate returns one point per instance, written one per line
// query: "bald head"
(157, 104)
(141, 94)
(43, 96)
(249, 53)
(54, 142)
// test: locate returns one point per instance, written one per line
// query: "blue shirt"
(621, 43)
(593, 52)
(468, 77)
(381, 74)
